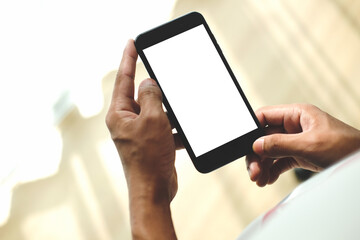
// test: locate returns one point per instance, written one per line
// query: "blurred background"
(60, 175)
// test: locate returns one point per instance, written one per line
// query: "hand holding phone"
(200, 92)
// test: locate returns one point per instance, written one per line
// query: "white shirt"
(327, 206)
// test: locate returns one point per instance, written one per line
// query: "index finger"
(286, 117)
(123, 92)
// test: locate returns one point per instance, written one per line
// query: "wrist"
(356, 140)
(350, 141)
(150, 213)
(148, 190)
(151, 187)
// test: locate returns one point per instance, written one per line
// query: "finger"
(278, 145)
(286, 116)
(123, 94)
(264, 176)
(253, 166)
(279, 167)
(178, 143)
(150, 97)
(273, 129)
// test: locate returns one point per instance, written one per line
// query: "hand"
(143, 137)
(298, 136)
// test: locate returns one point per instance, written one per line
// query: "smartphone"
(200, 92)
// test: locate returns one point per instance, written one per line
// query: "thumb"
(278, 145)
(149, 95)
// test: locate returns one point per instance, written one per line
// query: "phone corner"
(196, 14)
(202, 168)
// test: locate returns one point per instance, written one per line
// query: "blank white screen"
(200, 90)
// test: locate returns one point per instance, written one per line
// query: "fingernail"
(147, 82)
(258, 146)
(249, 171)
(127, 44)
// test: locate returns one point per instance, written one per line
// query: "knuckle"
(308, 107)
(110, 120)
(155, 117)
(116, 126)
(156, 121)
(313, 143)
(150, 92)
(123, 132)
(274, 147)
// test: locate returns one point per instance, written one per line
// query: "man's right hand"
(298, 136)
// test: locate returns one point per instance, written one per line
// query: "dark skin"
(298, 136)
(138, 129)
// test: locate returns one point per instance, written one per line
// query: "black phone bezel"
(227, 152)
